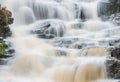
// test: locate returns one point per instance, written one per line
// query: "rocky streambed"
(55, 31)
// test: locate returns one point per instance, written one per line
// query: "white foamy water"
(39, 59)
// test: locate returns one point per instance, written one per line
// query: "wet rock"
(113, 42)
(107, 8)
(3, 61)
(113, 63)
(3, 47)
(77, 25)
(49, 29)
(97, 51)
(10, 51)
(64, 42)
(73, 43)
(80, 45)
(5, 51)
(5, 20)
(77, 10)
(115, 19)
(5, 31)
(110, 42)
(61, 52)
(115, 53)
(113, 68)
(46, 36)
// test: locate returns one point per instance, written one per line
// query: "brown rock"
(5, 20)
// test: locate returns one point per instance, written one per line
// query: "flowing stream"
(58, 41)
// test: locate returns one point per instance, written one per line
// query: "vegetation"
(5, 20)
(3, 46)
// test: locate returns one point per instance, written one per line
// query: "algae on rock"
(3, 47)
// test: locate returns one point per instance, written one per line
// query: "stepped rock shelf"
(60, 41)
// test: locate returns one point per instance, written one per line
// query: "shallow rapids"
(58, 41)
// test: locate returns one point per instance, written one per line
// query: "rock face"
(113, 64)
(5, 20)
(107, 8)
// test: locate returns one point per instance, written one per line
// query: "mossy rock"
(5, 20)
(3, 49)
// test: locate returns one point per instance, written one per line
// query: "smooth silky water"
(37, 59)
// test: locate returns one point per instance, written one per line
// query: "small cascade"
(58, 41)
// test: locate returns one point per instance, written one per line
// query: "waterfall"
(58, 41)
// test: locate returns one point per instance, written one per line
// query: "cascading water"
(58, 41)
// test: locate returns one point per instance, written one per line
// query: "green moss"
(3, 47)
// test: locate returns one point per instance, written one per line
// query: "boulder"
(49, 29)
